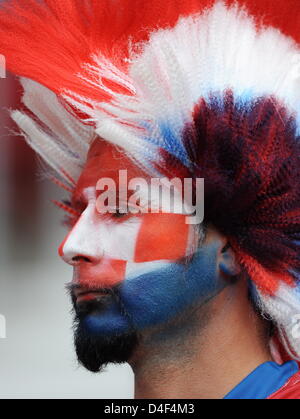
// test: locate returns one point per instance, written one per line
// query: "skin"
(198, 333)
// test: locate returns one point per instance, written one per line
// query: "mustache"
(111, 295)
(74, 289)
(71, 288)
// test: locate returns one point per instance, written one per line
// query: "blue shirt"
(264, 381)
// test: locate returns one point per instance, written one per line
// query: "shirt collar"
(264, 381)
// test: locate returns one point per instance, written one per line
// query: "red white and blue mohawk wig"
(191, 88)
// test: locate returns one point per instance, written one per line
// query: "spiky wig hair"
(193, 88)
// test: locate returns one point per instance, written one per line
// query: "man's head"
(134, 272)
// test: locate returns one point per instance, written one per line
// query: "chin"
(103, 338)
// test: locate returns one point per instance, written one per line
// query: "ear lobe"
(227, 261)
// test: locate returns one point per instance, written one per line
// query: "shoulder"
(291, 389)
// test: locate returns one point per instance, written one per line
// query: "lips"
(83, 295)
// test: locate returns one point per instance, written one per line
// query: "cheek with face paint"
(155, 297)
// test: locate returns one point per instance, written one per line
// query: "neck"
(205, 360)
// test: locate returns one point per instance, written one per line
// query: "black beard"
(94, 351)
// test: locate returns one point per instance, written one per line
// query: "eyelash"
(73, 215)
(116, 217)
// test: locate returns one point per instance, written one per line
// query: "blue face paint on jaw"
(154, 298)
(108, 322)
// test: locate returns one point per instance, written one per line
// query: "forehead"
(106, 160)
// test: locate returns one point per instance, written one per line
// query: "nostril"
(79, 259)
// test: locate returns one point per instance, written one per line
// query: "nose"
(80, 245)
(83, 248)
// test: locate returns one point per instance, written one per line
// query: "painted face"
(152, 260)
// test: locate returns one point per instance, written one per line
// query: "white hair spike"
(284, 309)
(55, 156)
(45, 105)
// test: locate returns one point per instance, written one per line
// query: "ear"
(227, 261)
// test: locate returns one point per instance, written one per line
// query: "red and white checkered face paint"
(105, 249)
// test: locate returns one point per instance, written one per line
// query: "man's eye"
(117, 214)
(120, 213)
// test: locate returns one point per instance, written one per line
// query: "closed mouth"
(82, 295)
